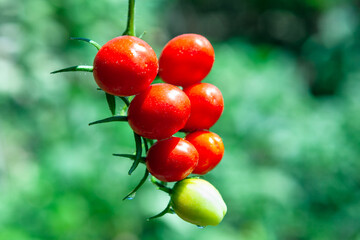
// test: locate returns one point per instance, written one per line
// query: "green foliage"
(292, 161)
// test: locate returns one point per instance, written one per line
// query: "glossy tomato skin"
(159, 112)
(207, 105)
(172, 159)
(186, 59)
(125, 66)
(210, 148)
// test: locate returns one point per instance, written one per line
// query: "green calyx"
(110, 119)
(92, 42)
(79, 68)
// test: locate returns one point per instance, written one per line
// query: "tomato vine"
(125, 67)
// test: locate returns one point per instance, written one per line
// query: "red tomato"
(125, 66)
(159, 112)
(172, 159)
(186, 59)
(207, 105)
(210, 148)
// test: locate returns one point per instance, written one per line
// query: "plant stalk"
(130, 28)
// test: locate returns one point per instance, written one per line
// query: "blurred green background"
(288, 70)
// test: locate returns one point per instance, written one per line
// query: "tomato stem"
(125, 100)
(162, 213)
(81, 68)
(131, 195)
(95, 44)
(142, 34)
(130, 28)
(130, 156)
(138, 153)
(110, 119)
(146, 145)
(161, 186)
(110, 99)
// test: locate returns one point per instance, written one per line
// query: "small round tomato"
(198, 202)
(207, 105)
(159, 112)
(186, 59)
(210, 148)
(125, 66)
(172, 159)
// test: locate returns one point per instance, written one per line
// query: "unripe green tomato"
(198, 202)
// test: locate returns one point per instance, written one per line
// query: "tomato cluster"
(158, 111)
(126, 66)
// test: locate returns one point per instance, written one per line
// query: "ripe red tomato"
(159, 112)
(125, 66)
(186, 59)
(210, 148)
(207, 105)
(172, 159)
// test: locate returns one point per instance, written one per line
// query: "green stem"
(110, 119)
(125, 100)
(130, 28)
(137, 154)
(130, 156)
(142, 35)
(161, 186)
(131, 195)
(95, 44)
(81, 68)
(146, 145)
(165, 211)
(110, 99)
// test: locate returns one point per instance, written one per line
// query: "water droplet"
(201, 227)
(130, 197)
